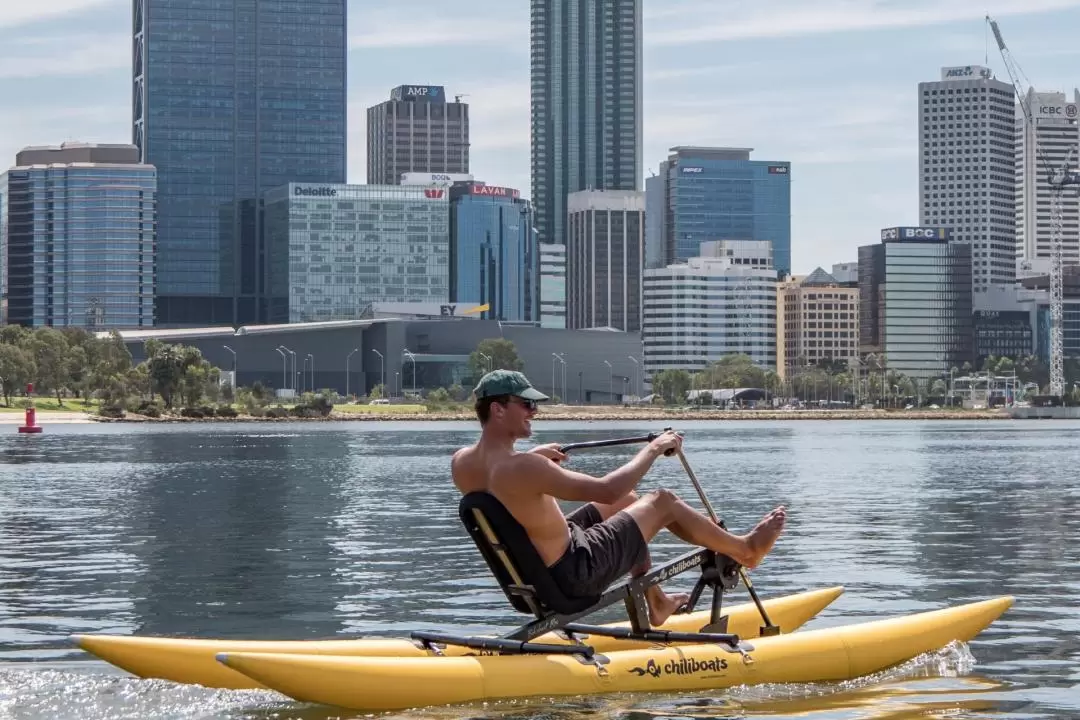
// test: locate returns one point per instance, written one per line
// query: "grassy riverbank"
(72, 412)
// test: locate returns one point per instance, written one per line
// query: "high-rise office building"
(722, 302)
(967, 167)
(915, 301)
(552, 285)
(1040, 150)
(586, 103)
(605, 242)
(79, 224)
(416, 130)
(232, 98)
(337, 249)
(718, 193)
(494, 258)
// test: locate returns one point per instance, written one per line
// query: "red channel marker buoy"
(30, 424)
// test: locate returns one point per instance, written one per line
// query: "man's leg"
(661, 605)
(663, 509)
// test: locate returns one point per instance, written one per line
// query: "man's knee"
(663, 498)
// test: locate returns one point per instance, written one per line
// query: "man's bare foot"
(662, 606)
(761, 539)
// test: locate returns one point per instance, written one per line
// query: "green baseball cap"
(507, 382)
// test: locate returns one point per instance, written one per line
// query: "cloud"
(747, 20)
(64, 56)
(701, 71)
(15, 13)
(403, 29)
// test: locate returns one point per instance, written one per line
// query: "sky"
(829, 85)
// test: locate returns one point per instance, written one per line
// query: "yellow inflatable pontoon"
(187, 660)
(831, 654)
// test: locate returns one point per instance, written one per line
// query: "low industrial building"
(353, 356)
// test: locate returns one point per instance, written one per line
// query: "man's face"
(516, 416)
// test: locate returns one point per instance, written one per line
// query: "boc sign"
(916, 234)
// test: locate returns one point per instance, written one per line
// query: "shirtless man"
(603, 540)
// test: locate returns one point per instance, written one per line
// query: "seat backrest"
(512, 558)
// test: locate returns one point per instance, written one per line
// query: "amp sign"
(419, 93)
(916, 234)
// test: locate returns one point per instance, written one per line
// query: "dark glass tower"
(586, 103)
(232, 98)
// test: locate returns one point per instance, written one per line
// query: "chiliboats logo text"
(684, 666)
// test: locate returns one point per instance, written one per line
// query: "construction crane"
(1059, 179)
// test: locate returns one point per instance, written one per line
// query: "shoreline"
(557, 413)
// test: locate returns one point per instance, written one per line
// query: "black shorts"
(601, 552)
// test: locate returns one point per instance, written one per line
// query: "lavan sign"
(299, 191)
(916, 234)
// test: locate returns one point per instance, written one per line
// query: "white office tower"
(552, 285)
(967, 173)
(723, 303)
(1040, 149)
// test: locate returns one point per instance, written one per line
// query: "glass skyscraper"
(915, 303)
(336, 249)
(586, 103)
(79, 223)
(718, 193)
(494, 258)
(232, 98)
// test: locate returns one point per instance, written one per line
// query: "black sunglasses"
(525, 403)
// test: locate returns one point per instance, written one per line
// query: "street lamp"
(412, 359)
(490, 362)
(303, 376)
(293, 354)
(382, 365)
(355, 350)
(284, 367)
(639, 389)
(233, 364)
(557, 356)
(312, 359)
(610, 383)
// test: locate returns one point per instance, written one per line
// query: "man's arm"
(545, 477)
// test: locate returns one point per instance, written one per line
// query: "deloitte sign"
(322, 191)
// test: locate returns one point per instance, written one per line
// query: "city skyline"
(832, 90)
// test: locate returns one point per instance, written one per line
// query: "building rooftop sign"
(916, 234)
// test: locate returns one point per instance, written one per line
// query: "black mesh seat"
(513, 559)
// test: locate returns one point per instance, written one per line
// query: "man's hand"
(669, 441)
(550, 451)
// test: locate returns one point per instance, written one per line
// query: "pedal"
(769, 631)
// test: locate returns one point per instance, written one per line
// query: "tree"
(51, 351)
(671, 385)
(503, 356)
(16, 369)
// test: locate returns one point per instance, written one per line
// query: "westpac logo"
(434, 193)
(314, 192)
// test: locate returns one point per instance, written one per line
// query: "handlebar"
(616, 441)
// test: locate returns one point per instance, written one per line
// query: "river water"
(332, 530)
